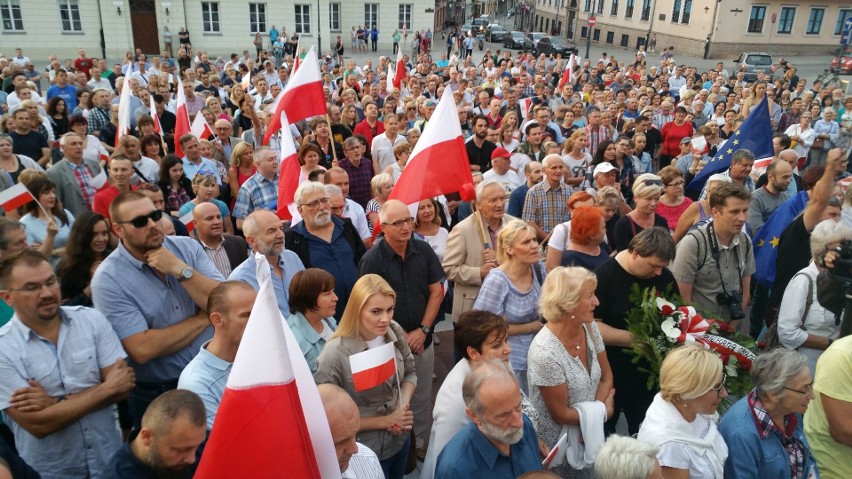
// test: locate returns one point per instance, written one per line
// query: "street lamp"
(319, 32)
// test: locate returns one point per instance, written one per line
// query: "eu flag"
(766, 241)
(755, 134)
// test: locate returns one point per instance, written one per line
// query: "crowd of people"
(587, 187)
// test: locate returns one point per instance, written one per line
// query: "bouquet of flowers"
(658, 325)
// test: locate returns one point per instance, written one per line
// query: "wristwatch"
(185, 275)
(426, 329)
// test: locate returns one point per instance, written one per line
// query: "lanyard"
(716, 254)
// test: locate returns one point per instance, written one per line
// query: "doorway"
(143, 21)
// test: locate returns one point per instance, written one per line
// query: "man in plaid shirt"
(261, 190)
(546, 204)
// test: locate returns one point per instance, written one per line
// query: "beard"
(161, 471)
(269, 249)
(322, 219)
(511, 435)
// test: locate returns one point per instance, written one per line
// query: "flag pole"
(398, 383)
(331, 136)
(46, 215)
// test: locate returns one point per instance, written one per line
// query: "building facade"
(110, 28)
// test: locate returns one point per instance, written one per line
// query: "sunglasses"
(652, 182)
(142, 221)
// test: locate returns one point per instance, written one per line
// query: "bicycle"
(828, 78)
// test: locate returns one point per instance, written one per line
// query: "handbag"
(818, 144)
(771, 337)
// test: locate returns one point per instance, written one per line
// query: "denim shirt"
(310, 341)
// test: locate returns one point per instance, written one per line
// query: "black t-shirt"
(480, 156)
(29, 144)
(794, 254)
(626, 229)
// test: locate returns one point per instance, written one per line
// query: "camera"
(734, 301)
(842, 270)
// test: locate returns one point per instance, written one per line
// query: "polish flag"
(15, 197)
(525, 103)
(554, 458)
(391, 71)
(123, 111)
(289, 174)
(568, 74)
(271, 422)
(99, 181)
(438, 164)
(400, 74)
(246, 82)
(297, 59)
(188, 221)
(182, 126)
(303, 96)
(200, 128)
(152, 105)
(373, 366)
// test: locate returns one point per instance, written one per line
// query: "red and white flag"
(373, 366)
(100, 180)
(568, 74)
(124, 112)
(188, 221)
(400, 73)
(524, 104)
(182, 125)
(289, 174)
(15, 197)
(303, 97)
(271, 421)
(438, 163)
(152, 105)
(297, 58)
(557, 455)
(246, 82)
(200, 128)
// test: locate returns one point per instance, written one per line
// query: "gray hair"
(742, 155)
(551, 157)
(333, 191)
(63, 140)
(825, 233)
(7, 225)
(495, 369)
(7, 137)
(305, 188)
(625, 458)
(771, 371)
(480, 188)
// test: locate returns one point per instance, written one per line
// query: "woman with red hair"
(588, 231)
(560, 237)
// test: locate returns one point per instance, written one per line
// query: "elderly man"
(739, 171)
(151, 289)
(545, 204)
(193, 162)
(261, 190)
(340, 178)
(265, 234)
(73, 176)
(228, 309)
(500, 171)
(145, 170)
(356, 460)
(499, 442)
(167, 444)
(359, 169)
(471, 246)
(413, 270)
(627, 458)
(62, 369)
(225, 251)
(322, 240)
(223, 143)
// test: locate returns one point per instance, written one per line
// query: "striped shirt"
(595, 136)
(547, 206)
(218, 256)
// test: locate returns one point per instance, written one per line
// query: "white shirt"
(382, 150)
(509, 180)
(149, 169)
(364, 465)
(356, 213)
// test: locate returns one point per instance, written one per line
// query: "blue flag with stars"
(755, 134)
(766, 240)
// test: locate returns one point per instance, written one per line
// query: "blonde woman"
(206, 190)
(512, 290)
(577, 160)
(367, 323)
(381, 186)
(647, 190)
(568, 363)
(682, 419)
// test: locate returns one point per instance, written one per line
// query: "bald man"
(356, 460)
(791, 157)
(225, 251)
(173, 427)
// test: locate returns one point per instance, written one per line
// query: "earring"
(573, 317)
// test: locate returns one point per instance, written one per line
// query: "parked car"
(843, 63)
(535, 37)
(754, 63)
(495, 33)
(555, 45)
(517, 41)
(465, 29)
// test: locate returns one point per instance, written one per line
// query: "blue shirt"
(310, 341)
(205, 166)
(289, 263)
(470, 454)
(207, 376)
(86, 344)
(516, 200)
(190, 205)
(135, 298)
(256, 193)
(67, 93)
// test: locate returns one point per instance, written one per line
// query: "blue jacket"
(752, 457)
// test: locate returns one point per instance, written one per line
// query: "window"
(596, 35)
(404, 15)
(815, 21)
(69, 14)
(687, 12)
(625, 40)
(646, 10)
(334, 17)
(210, 17)
(584, 32)
(600, 7)
(841, 17)
(303, 18)
(614, 9)
(610, 36)
(371, 14)
(10, 12)
(676, 11)
(755, 21)
(257, 17)
(588, 6)
(785, 20)
(629, 12)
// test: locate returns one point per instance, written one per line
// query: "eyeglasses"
(809, 388)
(338, 209)
(33, 287)
(721, 385)
(400, 223)
(652, 182)
(142, 221)
(313, 204)
(676, 184)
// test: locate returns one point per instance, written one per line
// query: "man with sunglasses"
(153, 289)
(413, 270)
